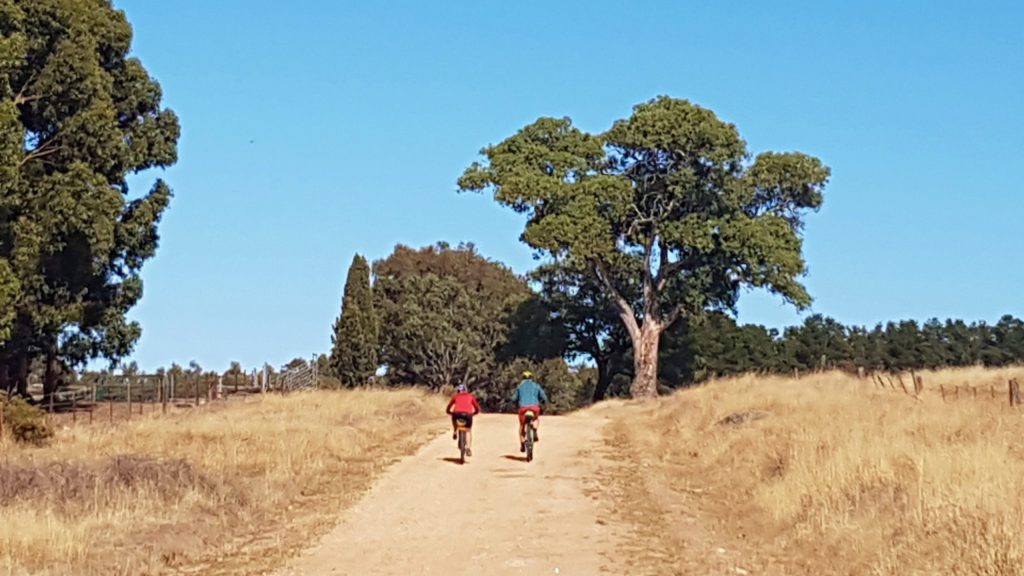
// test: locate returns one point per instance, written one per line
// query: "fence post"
(942, 389)
(195, 385)
(110, 403)
(128, 393)
(992, 390)
(902, 385)
(163, 394)
(74, 409)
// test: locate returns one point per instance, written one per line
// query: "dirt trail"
(495, 515)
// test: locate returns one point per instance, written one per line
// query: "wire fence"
(120, 397)
(913, 385)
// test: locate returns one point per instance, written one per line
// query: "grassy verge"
(824, 475)
(231, 491)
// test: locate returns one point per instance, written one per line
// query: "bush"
(26, 423)
(566, 389)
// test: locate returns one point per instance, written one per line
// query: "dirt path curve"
(495, 515)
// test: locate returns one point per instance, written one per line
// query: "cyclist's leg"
(533, 423)
(522, 429)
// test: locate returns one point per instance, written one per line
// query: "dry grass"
(835, 477)
(228, 491)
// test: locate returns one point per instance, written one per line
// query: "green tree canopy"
(667, 205)
(445, 315)
(354, 357)
(78, 115)
(820, 342)
(585, 319)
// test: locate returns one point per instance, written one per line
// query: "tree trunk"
(604, 378)
(50, 375)
(21, 373)
(645, 361)
(6, 384)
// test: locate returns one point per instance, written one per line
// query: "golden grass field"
(828, 474)
(835, 477)
(219, 491)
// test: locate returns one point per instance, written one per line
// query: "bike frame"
(461, 429)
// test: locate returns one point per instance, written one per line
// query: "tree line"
(718, 346)
(445, 315)
(441, 316)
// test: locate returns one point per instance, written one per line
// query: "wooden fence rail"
(951, 393)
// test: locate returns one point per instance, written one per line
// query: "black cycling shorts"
(465, 416)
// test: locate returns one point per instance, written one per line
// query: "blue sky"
(317, 129)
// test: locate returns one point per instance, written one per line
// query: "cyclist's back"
(528, 397)
(529, 393)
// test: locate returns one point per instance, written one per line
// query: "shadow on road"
(514, 458)
(451, 460)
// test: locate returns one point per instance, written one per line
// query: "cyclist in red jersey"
(464, 405)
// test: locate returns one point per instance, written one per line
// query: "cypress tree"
(354, 353)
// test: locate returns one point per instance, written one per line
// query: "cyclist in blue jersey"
(528, 397)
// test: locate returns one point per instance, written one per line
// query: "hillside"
(824, 475)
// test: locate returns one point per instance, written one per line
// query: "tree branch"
(20, 97)
(666, 272)
(40, 152)
(44, 150)
(662, 261)
(674, 315)
(625, 309)
(650, 293)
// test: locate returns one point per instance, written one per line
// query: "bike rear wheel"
(462, 446)
(529, 440)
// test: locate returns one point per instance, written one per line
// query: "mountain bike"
(530, 416)
(461, 426)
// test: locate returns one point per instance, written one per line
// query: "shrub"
(26, 423)
(565, 388)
